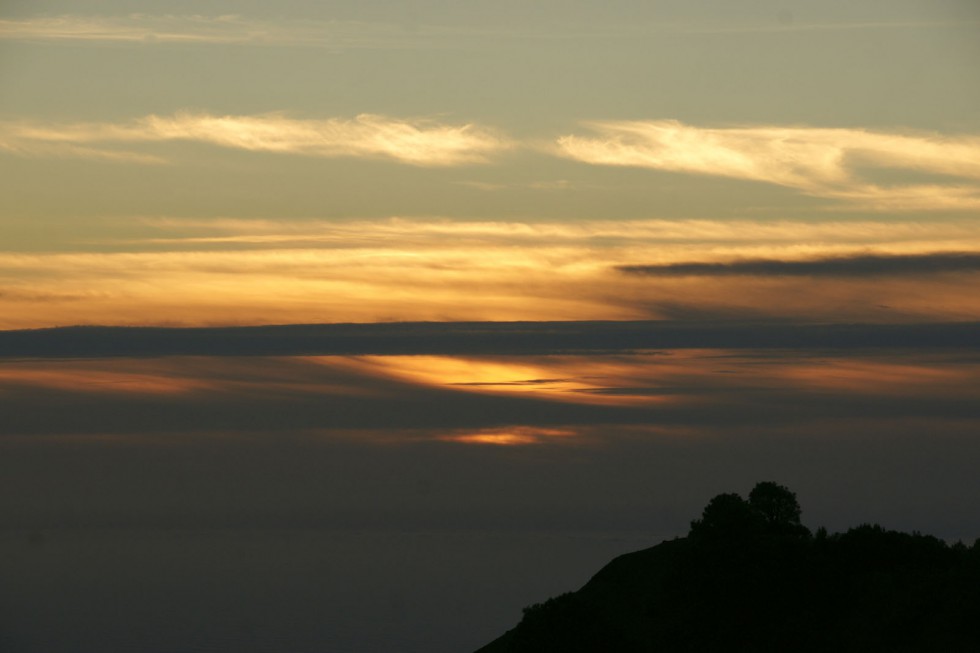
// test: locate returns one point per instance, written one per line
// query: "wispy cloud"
(336, 443)
(235, 29)
(787, 23)
(669, 237)
(30, 147)
(820, 162)
(866, 265)
(418, 142)
(230, 271)
(228, 29)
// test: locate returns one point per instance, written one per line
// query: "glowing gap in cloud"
(555, 378)
(820, 162)
(417, 142)
(510, 436)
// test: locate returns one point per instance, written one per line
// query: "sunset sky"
(729, 177)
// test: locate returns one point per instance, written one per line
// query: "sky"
(589, 264)
(222, 163)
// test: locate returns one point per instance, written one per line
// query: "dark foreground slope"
(749, 577)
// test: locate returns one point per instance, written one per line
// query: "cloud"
(417, 142)
(157, 401)
(31, 146)
(842, 266)
(234, 29)
(227, 29)
(338, 444)
(665, 235)
(920, 197)
(508, 437)
(822, 162)
(787, 23)
(435, 339)
(234, 271)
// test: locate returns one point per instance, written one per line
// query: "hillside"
(750, 577)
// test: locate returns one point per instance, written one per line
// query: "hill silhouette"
(750, 577)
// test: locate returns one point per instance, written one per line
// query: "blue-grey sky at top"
(533, 71)
(530, 65)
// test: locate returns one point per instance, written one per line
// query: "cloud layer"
(817, 161)
(843, 266)
(476, 338)
(235, 29)
(361, 422)
(226, 29)
(416, 142)
(232, 272)
(837, 164)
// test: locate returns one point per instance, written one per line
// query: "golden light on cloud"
(187, 377)
(267, 272)
(510, 437)
(416, 142)
(112, 378)
(895, 378)
(823, 162)
(675, 394)
(557, 378)
(863, 169)
(672, 379)
(134, 28)
(634, 379)
(673, 238)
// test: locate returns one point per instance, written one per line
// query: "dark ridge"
(474, 338)
(750, 577)
(865, 265)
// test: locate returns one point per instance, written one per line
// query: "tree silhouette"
(750, 578)
(776, 504)
(726, 515)
(771, 508)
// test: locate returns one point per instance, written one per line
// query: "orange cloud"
(509, 437)
(187, 272)
(110, 377)
(573, 379)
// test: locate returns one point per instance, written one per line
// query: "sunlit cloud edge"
(422, 142)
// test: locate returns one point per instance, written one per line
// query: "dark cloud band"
(867, 265)
(474, 338)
